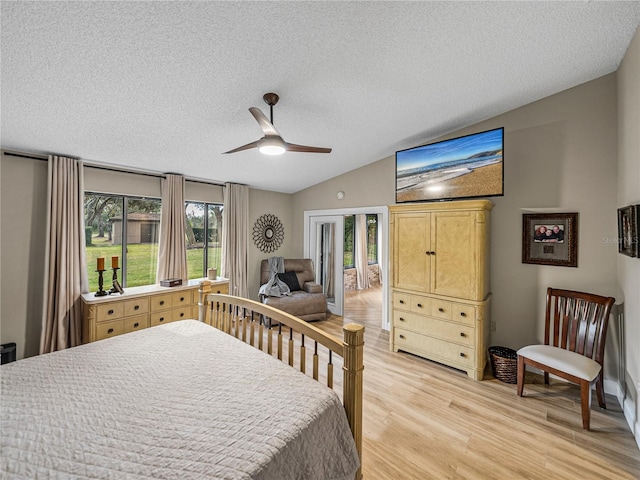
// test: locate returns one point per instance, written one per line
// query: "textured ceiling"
(166, 86)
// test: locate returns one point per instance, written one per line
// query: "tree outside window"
(203, 235)
(124, 227)
(128, 228)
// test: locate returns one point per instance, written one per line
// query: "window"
(349, 242)
(204, 235)
(372, 238)
(349, 239)
(124, 227)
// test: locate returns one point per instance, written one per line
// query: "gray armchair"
(307, 303)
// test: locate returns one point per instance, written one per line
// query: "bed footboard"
(257, 324)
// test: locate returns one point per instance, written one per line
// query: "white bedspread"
(178, 401)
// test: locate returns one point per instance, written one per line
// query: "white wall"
(628, 193)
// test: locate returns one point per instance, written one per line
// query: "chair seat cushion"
(563, 360)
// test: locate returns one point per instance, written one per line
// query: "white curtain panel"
(172, 249)
(361, 261)
(65, 273)
(235, 238)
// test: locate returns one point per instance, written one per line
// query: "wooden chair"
(574, 337)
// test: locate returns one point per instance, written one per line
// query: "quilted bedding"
(178, 401)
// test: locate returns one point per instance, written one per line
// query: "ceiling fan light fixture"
(271, 146)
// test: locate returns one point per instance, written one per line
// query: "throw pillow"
(291, 280)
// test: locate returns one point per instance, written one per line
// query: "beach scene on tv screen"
(462, 167)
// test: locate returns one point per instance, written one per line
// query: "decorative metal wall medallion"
(268, 233)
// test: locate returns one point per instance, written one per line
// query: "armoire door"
(454, 248)
(411, 251)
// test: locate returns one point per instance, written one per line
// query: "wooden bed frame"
(256, 324)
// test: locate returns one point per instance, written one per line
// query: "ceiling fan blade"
(292, 147)
(244, 147)
(266, 126)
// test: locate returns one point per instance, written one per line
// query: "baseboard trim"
(628, 406)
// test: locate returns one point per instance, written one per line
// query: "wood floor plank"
(426, 421)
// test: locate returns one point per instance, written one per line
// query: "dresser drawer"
(434, 348)
(110, 311)
(109, 329)
(159, 318)
(222, 288)
(138, 322)
(181, 298)
(181, 313)
(136, 306)
(161, 302)
(401, 301)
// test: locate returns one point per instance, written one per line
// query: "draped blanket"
(274, 286)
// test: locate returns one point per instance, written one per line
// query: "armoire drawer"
(449, 331)
(434, 347)
(159, 318)
(401, 301)
(161, 302)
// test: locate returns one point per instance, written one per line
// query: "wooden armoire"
(440, 282)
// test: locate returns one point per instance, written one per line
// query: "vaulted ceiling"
(166, 86)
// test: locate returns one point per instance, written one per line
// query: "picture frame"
(628, 230)
(550, 239)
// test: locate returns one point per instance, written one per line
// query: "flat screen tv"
(463, 167)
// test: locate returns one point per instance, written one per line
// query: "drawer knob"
(161, 302)
(402, 302)
(401, 336)
(462, 314)
(462, 354)
(136, 325)
(110, 330)
(137, 307)
(428, 253)
(432, 253)
(419, 305)
(441, 309)
(161, 319)
(110, 312)
(182, 314)
(182, 299)
(401, 319)
(462, 334)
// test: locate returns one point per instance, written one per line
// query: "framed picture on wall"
(628, 230)
(550, 239)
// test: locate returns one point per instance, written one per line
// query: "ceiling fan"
(272, 143)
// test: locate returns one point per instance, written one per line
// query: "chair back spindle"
(577, 321)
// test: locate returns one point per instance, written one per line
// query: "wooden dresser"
(141, 307)
(440, 282)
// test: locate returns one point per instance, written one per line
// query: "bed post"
(205, 289)
(353, 336)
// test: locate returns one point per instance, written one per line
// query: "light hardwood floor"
(426, 421)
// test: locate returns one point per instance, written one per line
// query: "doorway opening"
(349, 248)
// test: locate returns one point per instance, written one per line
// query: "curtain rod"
(20, 155)
(115, 169)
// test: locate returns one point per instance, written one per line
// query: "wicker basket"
(504, 363)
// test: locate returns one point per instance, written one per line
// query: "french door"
(326, 235)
